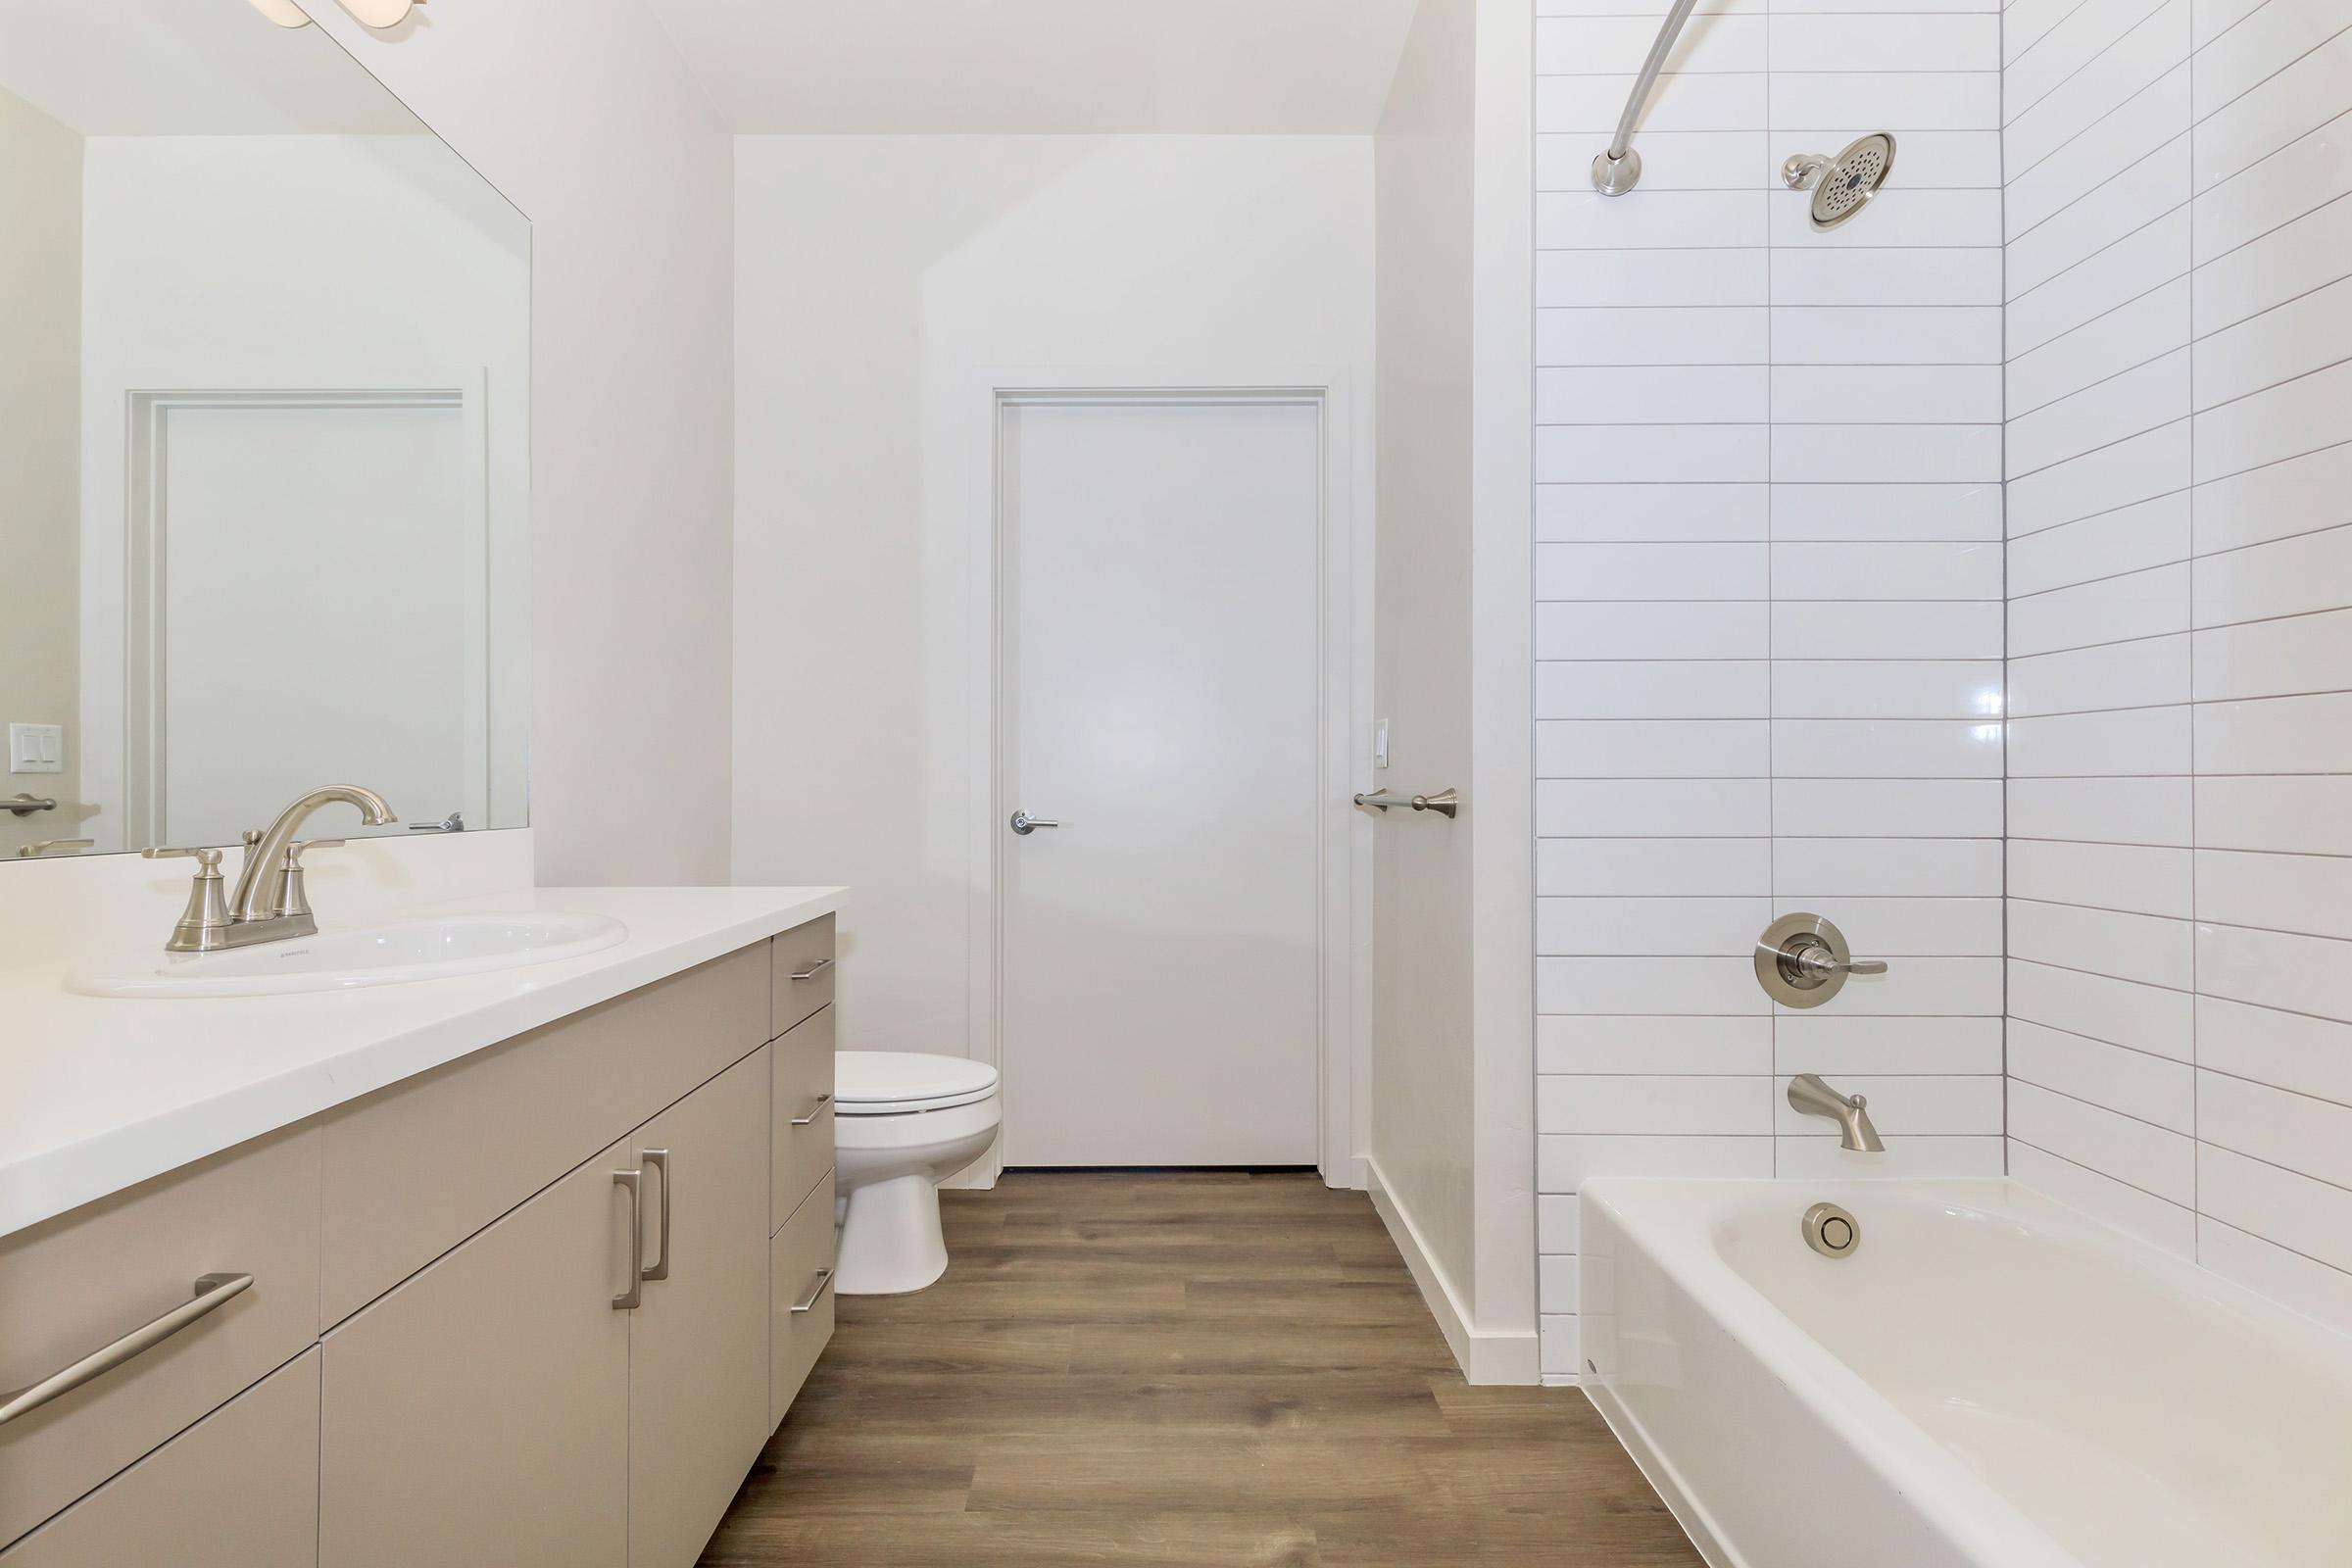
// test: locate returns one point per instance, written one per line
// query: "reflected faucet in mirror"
(270, 903)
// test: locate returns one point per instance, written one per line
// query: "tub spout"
(1808, 1093)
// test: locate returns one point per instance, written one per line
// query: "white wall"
(1423, 1140)
(1501, 680)
(1768, 618)
(40, 189)
(1452, 1080)
(321, 263)
(879, 282)
(2180, 323)
(582, 113)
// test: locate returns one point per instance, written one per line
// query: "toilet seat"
(892, 1083)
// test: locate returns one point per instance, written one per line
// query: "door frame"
(1344, 615)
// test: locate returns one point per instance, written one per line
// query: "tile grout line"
(2196, 1093)
(2007, 700)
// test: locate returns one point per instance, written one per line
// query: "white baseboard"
(1483, 1356)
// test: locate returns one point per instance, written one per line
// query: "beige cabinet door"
(237, 1490)
(480, 1412)
(698, 1345)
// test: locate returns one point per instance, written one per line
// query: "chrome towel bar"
(1445, 802)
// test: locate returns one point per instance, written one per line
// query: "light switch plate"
(1380, 744)
(37, 748)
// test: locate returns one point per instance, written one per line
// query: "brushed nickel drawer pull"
(658, 1160)
(813, 970)
(816, 1287)
(816, 1108)
(633, 1297)
(213, 1292)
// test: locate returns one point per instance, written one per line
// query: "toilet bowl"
(903, 1124)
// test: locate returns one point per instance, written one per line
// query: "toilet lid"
(883, 1083)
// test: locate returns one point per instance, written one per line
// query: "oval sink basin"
(433, 949)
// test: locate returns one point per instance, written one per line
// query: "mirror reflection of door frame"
(145, 764)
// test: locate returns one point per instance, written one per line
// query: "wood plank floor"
(1177, 1369)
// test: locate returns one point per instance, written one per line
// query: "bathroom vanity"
(453, 1220)
(520, 1267)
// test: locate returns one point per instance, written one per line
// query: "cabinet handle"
(813, 970)
(213, 1292)
(629, 1300)
(816, 1287)
(816, 1108)
(658, 1160)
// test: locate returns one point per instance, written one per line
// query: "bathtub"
(1989, 1379)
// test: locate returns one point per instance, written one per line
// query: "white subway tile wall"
(2178, 212)
(1769, 580)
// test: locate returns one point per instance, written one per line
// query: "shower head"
(1843, 185)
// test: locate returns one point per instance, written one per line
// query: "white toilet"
(903, 1124)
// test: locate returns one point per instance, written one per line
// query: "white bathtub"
(1990, 1380)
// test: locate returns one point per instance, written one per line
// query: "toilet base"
(889, 1240)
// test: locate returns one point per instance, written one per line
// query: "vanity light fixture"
(377, 13)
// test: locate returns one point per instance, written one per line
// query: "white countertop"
(99, 1094)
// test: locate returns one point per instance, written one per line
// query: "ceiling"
(1043, 66)
(186, 67)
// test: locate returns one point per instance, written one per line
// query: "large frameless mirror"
(264, 368)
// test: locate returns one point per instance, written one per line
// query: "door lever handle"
(1024, 825)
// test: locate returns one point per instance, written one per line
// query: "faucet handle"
(208, 861)
(204, 924)
(288, 897)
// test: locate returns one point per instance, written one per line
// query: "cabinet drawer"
(802, 1099)
(414, 1170)
(238, 1489)
(803, 966)
(82, 1281)
(800, 1275)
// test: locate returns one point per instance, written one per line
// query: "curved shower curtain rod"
(1619, 169)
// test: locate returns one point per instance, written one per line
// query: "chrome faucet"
(270, 903)
(1808, 1093)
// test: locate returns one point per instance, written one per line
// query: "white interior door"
(1161, 702)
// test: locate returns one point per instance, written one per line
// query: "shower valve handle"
(1802, 960)
(1821, 961)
